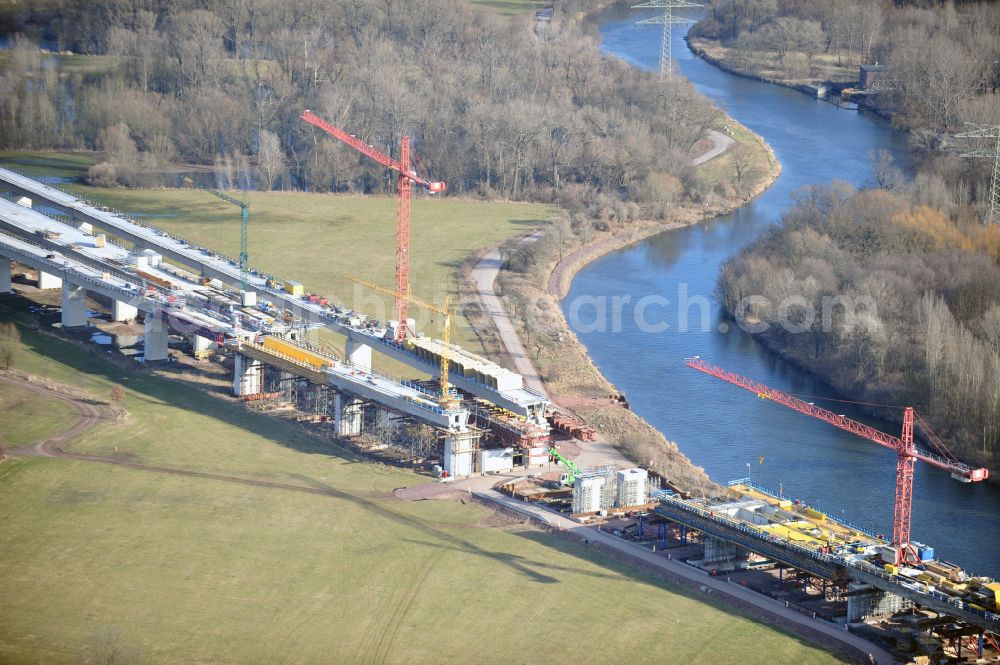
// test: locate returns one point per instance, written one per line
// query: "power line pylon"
(667, 21)
(986, 151)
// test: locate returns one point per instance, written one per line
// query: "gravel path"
(484, 275)
(720, 144)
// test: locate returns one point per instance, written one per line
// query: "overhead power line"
(668, 20)
(987, 150)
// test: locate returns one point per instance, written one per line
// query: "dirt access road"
(91, 415)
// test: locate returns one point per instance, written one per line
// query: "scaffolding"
(595, 489)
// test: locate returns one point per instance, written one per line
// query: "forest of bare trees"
(942, 60)
(890, 294)
(889, 299)
(494, 108)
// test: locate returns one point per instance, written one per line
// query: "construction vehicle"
(568, 478)
(407, 178)
(906, 451)
(447, 400)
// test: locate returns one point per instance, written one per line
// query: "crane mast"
(244, 241)
(406, 178)
(906, 450)
(446, 400)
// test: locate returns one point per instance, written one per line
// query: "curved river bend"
(724, 428)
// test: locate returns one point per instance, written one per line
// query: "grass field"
(510, 7)
(27, 417)
(189, 570)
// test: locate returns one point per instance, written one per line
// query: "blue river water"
(719, 426)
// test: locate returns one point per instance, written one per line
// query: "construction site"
(892, 589)
(459, 415)
(478, 415)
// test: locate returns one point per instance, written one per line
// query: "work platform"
(812, 541)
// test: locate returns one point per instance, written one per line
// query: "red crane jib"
(895, 443)
(365, 149)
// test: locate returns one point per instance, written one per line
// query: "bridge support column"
(4, 274)
(122, 311)
(156, 337)
(865, 601)
(74, 305)
(722, 553)
(459, 450)
(201, 344)
(348, 415)
(359, 355)
(47, 281)
(246, 376)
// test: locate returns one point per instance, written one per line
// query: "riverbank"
(566, 369)
(756, 68)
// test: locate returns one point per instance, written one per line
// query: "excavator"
(572, 471)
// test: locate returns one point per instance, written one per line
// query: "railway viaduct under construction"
(185, 289)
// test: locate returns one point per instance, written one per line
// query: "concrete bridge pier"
(48, 281)
(459, 453)
(156, 337)
(74, 305)
(348, 415)
(722, 553)
(247, 374)
(865, 601)
(4, 274)
(122, 311)
(201, 344)
(358, 354)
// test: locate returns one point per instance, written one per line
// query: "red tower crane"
(407, 177)
(906, 451)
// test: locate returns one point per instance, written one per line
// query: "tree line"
(495, 108)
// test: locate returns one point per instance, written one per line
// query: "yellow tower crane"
(447, 401)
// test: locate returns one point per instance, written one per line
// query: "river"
(719, 426)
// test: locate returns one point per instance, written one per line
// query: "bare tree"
(270, 160)
(118, 401)
(746, 169)
(109, 646)
(887, 176)
(10, 344)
